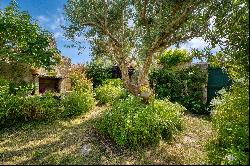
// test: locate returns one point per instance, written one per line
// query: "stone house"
(56, 80)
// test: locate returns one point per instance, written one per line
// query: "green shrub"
(10, 109)
(98, 72)
(80, 82)
(4, 86)
(230, 118)
(81, 99)
(182, 86)
(111, 90)
(76, 103)
(15, 108)
(172, 57)
(21, 89)
(42, 107)
(131, 123)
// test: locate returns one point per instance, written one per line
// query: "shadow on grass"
(113, 154)
(61, 142)
(48, 142)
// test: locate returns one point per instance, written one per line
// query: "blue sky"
(49, 14)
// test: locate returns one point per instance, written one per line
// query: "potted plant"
(52, 73)
(145, 91)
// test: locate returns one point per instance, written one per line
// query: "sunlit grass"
(61, 142)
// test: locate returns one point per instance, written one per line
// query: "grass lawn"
(75, 141)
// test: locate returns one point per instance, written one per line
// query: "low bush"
(15, 108)
(98, 72)
(131, 123)
(111, 90)
(4, 86)
(81, 99)
(17, 105)
(10, 109)
(230, 118)
(76, 103)
(41, 107)
(80, 82)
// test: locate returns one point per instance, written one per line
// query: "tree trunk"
(134, 88)
(127, 82)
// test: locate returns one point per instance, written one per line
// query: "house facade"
(56, 80)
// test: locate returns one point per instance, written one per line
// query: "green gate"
(217, 79)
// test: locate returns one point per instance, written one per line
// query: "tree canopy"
(23, 40)
(136, 30)
(231, 32)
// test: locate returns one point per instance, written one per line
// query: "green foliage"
(24, 41)
(79, 81)
(132, 123)
(111, 90)
(11, 109)
(81, 99)
(172, 57)
(4, 86)
(21, 89)
(16, 108)
(41, 107)
(183, 86)
(231, 31)
(77, 103)
(98, 72)
(131, 31)
(18, 105)
(10, 87)
(230, 118)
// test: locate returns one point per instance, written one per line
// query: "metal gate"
(217, 79)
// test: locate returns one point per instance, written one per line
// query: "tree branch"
(155, 45)
(143, 14)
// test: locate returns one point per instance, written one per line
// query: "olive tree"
(127, 30)
(231, 32)
(23, 40)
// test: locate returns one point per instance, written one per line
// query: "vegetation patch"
(131, 123)
(231, 121)
(77, 103)
(111, 90)
(183, 86)
(61, 141)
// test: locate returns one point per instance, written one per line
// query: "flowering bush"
(230, 118)
(80, 82)
(81, 99)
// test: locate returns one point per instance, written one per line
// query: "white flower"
(230, 157)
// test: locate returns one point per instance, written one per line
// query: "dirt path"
(75, 141)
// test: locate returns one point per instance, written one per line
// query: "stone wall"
(19, 73)
(16, 72)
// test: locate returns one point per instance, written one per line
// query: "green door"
(217, 79)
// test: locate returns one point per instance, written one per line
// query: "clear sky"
(49, 14)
